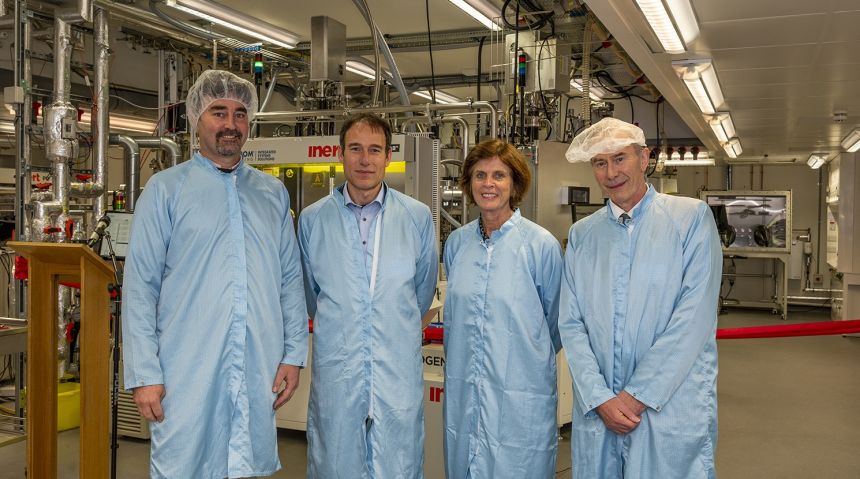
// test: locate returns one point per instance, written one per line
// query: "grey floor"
(787, 409)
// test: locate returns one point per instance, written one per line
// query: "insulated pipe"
(132, 165)
(60, 122)
(132, 148)
(101, 124)
(163, 143)
(278, 116)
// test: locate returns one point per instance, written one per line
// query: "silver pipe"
(808, 298)
(83, 13)
(466, 136)
(163, 143)
(59, 125)
(197, 32)
(132, 148)
(142, 18)
(101, 126)
(396, 79)
(132, 180)
(821, 290)
(377, 80)
(279, 116)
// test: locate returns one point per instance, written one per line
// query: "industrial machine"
(755, 224)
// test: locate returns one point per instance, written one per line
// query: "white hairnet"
(607, 136)
(215, 85)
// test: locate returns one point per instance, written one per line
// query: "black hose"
(430, 48)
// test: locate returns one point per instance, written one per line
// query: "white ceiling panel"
(759, 76)
(842, 27)
(763, 32)
(723, 10)
(765, 57)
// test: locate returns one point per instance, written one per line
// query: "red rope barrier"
(775, 331)
(789, 330)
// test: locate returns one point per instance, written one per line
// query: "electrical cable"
(430, 49)
(535, 25)
(540, 90)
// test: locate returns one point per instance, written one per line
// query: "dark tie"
(624, 218)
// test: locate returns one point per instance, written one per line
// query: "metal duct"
(132, 166)
(132, 148)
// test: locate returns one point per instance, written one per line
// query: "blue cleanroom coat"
(501, 337)
(365, 417)
(639, 313)
(212, 303)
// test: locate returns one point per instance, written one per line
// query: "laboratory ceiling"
(785, 66)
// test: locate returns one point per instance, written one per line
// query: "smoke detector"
(840, 116)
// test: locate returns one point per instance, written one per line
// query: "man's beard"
(229, 148)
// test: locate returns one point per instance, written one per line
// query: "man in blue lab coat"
(214, 314)
(370, 261)
(637, 319)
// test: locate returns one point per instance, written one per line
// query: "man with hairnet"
(638, 318)
(370, 262)
(214, 315)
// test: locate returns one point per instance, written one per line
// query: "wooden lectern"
(51, 263)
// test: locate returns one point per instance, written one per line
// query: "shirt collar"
(617, 211)
(380, 197)
(214, 165)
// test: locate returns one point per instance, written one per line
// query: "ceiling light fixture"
(674, 26)
(851, 142)
(441, 97)
(237, 21)
(123, 123)
(723, 126)
(816, 160)
(481, 10)
(594, 92)
(733, 148)
(700, 78)
(366, 71)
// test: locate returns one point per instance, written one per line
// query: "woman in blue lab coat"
(501, 334)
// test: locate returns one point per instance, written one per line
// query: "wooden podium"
(51, 263)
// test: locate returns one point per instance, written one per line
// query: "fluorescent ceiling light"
(816, 160)
(723, 126)
(481, 10)
(733, 148)
(366, 71)
(700, 78)
(441, 97)
(237, 21)
(704, 162)
(674, 26)
(851, 142)
(124, 123)
(594, 92)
